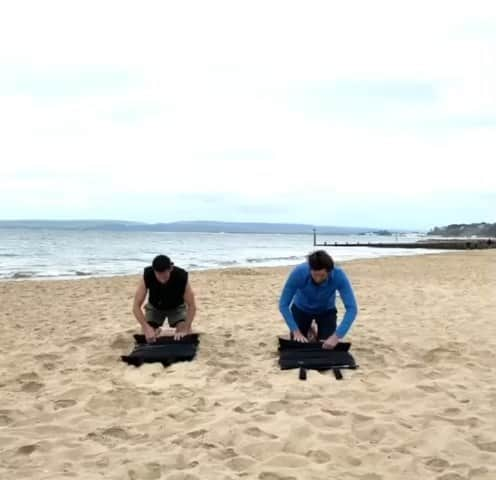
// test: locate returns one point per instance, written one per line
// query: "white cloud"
(208, 108)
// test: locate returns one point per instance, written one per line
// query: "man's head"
(321, 264)
(162, 267)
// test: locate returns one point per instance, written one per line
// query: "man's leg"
(302, 319)
(176, 315)
(326, 323)
(154, 317)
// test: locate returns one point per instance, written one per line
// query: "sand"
(422, 405)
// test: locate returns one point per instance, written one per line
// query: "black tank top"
(168, 295)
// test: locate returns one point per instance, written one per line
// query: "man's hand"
(299, 337)
(331, 342)
(150, 333)
(183, 329)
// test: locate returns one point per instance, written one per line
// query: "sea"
(56, 253)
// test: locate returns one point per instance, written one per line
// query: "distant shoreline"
(196, 227)
(76, 277)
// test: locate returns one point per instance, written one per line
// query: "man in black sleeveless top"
(169, 296)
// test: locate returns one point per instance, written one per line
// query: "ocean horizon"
(55, 254)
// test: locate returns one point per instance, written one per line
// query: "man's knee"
(303, 319)
(176, 316)
(327, 324)
(155, 318)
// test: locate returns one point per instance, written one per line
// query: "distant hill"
(465, 230)
(68, 224)
(196, 226)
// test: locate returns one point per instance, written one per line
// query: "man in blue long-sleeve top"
(310, 294)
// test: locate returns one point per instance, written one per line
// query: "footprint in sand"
(377, 375)
(116, 432)
(5, 418)
(428, 388)
(182, 476)
(321, 421)
(32, 387)
(318, 456)
(154, 393)
(223, 454)
(262, 450)
(231, 376)
(109, 402)
(239, 464)
(452, 411)
(102, 462)
(472, 422)
(244, 407)
(119, 343)
(437, 354)
(197, 433)
(28, 377)
(82, 340)
(436, 464)
(371, 476)
(293, 444)
(478, 472)
(336, 413)
(208, 446)
(287, 461)
(359, 418)
(414, 365)
(201, 405)
(262, 384)
(148, 471)
(273, 407)
(450, 476)
(64, 403)
(27, 449)
(485, 446)
(405, 424)
(47, 357)
(273, 476)
(353, 461)
(109, 436)
(371, 434)
(256, 432)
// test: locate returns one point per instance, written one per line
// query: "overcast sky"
(374, 113)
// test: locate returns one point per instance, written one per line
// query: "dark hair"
(161, 263)
(320, 260)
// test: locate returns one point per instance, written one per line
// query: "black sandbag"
(286, 344)
(293, 354)
(318, 359)
(192, 338)
(165, 350)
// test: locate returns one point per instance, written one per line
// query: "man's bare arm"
(189, 299)
(139, 298)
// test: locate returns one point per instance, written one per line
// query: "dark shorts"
(156, 317)
(326, 321)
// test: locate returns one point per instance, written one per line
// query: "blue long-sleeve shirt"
(306, 295)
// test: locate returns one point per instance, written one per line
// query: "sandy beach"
(422, 405)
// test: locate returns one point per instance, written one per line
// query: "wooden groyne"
(451, 244)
